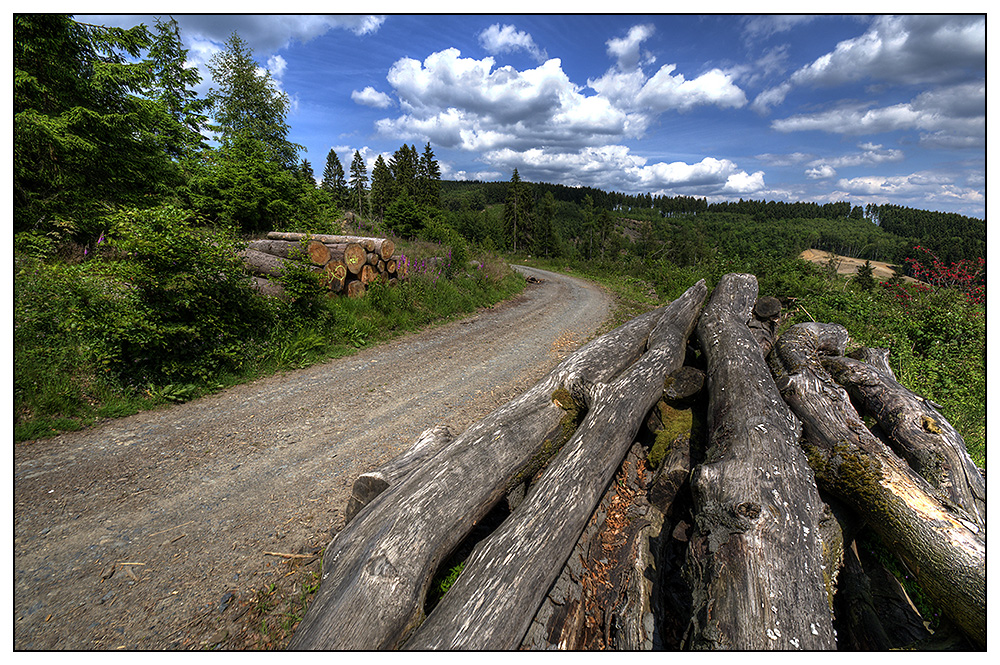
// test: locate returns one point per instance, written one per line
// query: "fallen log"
(355, 288)
(601, 598)
(377, 570)
(936, 544)
(755, 560)
(267, 287)
(284, 249)
(262, 263)
(384, 247)
(369, 485)
(509, 573)
(917, 432)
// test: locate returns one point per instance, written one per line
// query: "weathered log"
(369, 485)
(284, 249)
(508, 575)
(946, 556)
(376, 571)
(764, 322)
(262, 263)
(917, 432)
(267, 287)
(875, 357)
(755, 558)
(385, 247)
(601, 598)
(390, 266)
(351, 255)
(367, 274)
(354, 288)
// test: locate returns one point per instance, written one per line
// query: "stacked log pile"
(345, 265)
(689, 480)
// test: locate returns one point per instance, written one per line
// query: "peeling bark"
(947, 557)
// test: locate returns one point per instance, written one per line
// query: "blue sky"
(868, 109)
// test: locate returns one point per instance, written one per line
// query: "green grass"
(67, 317)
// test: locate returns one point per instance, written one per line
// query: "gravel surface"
(164, 530)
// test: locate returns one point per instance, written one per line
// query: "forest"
(121, 237)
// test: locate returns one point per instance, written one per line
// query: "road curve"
(133, 534)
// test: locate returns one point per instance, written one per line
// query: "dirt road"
(151, 531)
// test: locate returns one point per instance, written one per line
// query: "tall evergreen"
(429, 178)
(404, 165)
(517, 213)
(76, 86)
(381, 192)
(249, 107)
(359, 183)
(174, 84)
(333, 178)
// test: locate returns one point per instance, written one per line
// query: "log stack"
(690, 480)
(346, 265)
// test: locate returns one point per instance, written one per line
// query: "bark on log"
(917, 432)
(376, 571)
(367, 274)
(875, 357)
(756, 558)
(355, 289)
(948, 559)
(268, 288)
(601, 598)
(369, 485)
(508, 575)
(262, 263)
(385, 247)
(284, 249)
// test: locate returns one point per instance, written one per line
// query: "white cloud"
(948, 115)
(371, 97)
(276, 65)
(626, 50)
(923, 186)
(904, 49)
(507, 38)
(821, 172)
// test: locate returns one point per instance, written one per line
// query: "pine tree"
(174, 89)
(404, 165)
(249, 107)
(333, 178)
(305, 172)
(358, 183)
(429, 178)
(517, 212)
(382, 184)
(76, 86)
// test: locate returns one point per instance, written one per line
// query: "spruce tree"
(381, 193)
(333, 178)
(358, 183)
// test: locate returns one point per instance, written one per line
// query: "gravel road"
(151, 531)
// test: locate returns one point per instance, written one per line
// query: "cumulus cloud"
(626, 50)
(821, 172)
(923, 186)
(616, 168)
(507, 38)
(904, 49)
(371, 97)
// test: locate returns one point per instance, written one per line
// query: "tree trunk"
(385, 247)
(268, 288)
(948, 559)
(355, 288)
(376, 571)
(917, 432)
(284, 249)
(367, 274)
(755, 557)
(261, 263)
(351, 255)
(509, 573)
(601, 598)
(369, 485)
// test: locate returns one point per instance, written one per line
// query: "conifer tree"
(359, 183)
(429, 178)
(381, 193)
(333, 178)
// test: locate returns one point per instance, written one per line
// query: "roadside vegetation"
(129, 293)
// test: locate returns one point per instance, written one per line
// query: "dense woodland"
(133, 228)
